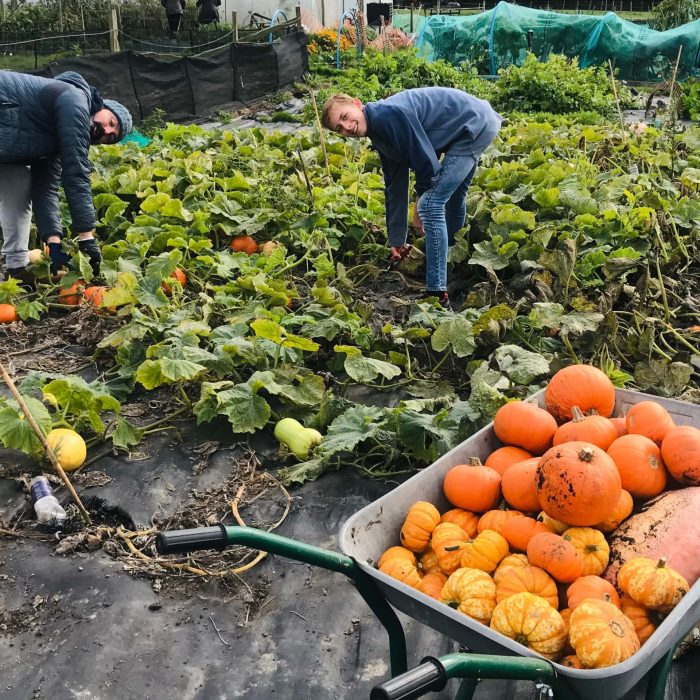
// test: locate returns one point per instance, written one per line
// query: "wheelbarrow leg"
(467, 688)
(656, 685)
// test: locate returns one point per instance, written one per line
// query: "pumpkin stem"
(586, 454)
(662, 563)
(577, 414)
(452, 547)
(590, 548)
(592, 412)
(474, 462)
(453, 604)
(653, 462)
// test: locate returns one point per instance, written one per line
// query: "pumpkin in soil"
(494, 519)
(526, 425)
(421, 520)
(651, 583)
(558, 557)
(432, 584)
(178, 275)
(519, 485)
(532, 622)
(681, 453)
(622, 511)
(595, 429)
(473, 486)
(396, 553)
(571, 661)
(402, 570)
(73, 295)
(243, 244)
(512, 561)
(552, 524)
(578, 483)
(505, 457)
(620, 424)
(447, 542)
(642, 470)
(601, 634)
(70, 449)
(650, 419)
(591, 587)
(428, 562)
(592, 546)
(8, 313)
(527, 578)
(472, 592)
(645, 621)
(582, 386)
(467, 520)
(519, 531)
(485, 552)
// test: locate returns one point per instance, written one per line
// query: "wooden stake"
(617, 99)
(42, 439)
(672, 107)
(319, 126)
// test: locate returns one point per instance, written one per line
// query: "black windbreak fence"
(191, 86)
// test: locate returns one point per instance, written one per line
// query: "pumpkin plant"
(471, 592)
(642, 470)
(592, 546)
(473, 486)
(524, 424)
(579, 385)
(421, 519)
(651, 583)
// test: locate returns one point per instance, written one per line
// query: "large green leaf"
(354, 426)
(456, 334)
(15, 431)
(153, 373)
(519, 365)
(245, 410)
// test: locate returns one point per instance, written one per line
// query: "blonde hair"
(340, 98)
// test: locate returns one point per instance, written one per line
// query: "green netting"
(499, 37)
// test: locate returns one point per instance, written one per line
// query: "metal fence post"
(234, 25)
(113, 30)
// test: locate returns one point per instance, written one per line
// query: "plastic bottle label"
(39, 489)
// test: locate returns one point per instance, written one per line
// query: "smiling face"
(347, 118)
(104, 127)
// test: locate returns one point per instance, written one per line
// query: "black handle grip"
(179, 541)
(427, 677)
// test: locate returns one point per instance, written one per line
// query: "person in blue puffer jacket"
(438, 133)
(46, 129)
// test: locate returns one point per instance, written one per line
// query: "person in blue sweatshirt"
(438, 133)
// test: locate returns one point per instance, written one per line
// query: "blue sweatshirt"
(412, 129)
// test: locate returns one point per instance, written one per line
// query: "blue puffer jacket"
(45, 123)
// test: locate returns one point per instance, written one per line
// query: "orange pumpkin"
(421, 520)
(505, 457)
(638, 459)
(595, 429)
(178, 275)
(8, 313)
(620, 424)
(524, 424)
(472, 592)
(650, 419)
(591, 587)
(467, 520)
(244, 244)
(519, 531)
(396, 553)
(494, 519)
(428, 562)
(645, 621)
(651, 583)
(402, 570)
(552, 524)
(519, 485)
(582, 386)
(681, 453)
(578, 483)
(556, 556)
(473, 486)
(527, 578)
(571, 661)
(485, 552)
(510, 562)
(532, 622)
(593, 548)
(432, 585)
(73, 295)
(622, 511)
(447, 542)
(601, 634)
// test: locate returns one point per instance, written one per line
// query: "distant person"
(208, 12)
(174, 9)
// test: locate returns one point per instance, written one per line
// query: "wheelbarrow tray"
(372, 530)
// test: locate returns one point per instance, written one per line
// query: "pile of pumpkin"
(525, 549)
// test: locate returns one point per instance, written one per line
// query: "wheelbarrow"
(490, 655)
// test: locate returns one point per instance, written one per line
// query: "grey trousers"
(15, 213)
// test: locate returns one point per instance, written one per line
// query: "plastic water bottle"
(48, 510)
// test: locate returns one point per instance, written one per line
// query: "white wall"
(312, 11)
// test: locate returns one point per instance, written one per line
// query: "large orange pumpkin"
(650, 419)
(556, 556)
(473, 486)
(505, 457)
(524, 424)
(591, 587)
(178, 275)
(681, 453)
(73, 294)
(519, 531)
(578, 483)
(595, 429)
(638, 459)
(527, 578)
(582, 386)
(519, 485)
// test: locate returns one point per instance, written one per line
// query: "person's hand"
(58, 258)
(417, 223)
(398, 253)
(89, 247)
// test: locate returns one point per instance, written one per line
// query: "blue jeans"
(442, 210)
